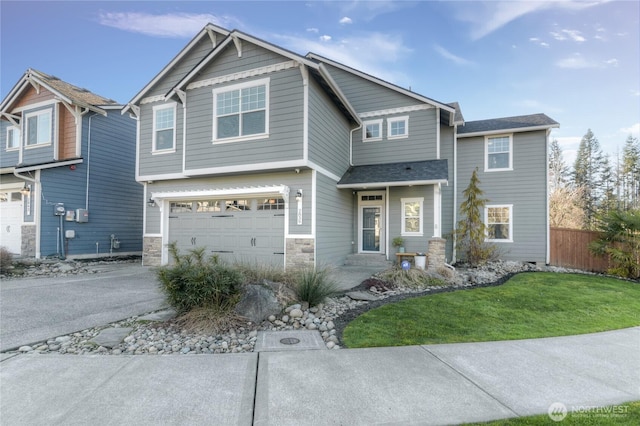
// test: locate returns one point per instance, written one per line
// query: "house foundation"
(300, 253)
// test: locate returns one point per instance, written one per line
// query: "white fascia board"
(275, 49)
(48, 165)
(382, 83)
(389, 184)
(203, 33)
(187, 78)
(324, 72)
(167, 176)
(502, 131)
(13, 94)
(275, 165)
(246, 191)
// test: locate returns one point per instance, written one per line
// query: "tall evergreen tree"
(558, 170)
(586, 175)
(608, 199)
(630, 179)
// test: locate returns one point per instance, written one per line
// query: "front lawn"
(529, 305)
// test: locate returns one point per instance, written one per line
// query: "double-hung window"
(13, 138)
(499, 222)
(397, 127)
(241, 111)
(412, 216)
(39, 128)
(498, 153)
(372, 131)
(164, 128)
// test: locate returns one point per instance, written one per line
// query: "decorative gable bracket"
(238, 44)
(14, 119)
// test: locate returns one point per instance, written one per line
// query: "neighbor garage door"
(11, 220)
(250, 230)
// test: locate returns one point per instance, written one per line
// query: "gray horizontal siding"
(447, 191)
(419, 145)
(524, 187)
(159, 163)
(334, 224)
(365, 95)
(8, 158)
(228, 62)
(35, 154)
(328, 132)
(412, 244)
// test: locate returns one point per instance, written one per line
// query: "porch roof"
(396, 174)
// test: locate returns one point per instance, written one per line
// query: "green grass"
(623, 414)
(529, 305)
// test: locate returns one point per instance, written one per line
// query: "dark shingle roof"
(458, 116)
(507, 123)
(411, 172)
(76, 94)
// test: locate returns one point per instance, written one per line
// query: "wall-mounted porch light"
(299, 195)
(151, 202)
(26, 190)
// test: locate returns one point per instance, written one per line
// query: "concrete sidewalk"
(435, 384)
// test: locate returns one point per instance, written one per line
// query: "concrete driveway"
(36, 309)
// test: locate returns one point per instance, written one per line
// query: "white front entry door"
(371, 220)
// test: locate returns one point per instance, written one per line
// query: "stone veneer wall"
(300, 253)
(436, 253)
(28, 245)
(152, 251)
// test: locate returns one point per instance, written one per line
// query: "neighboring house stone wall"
(28, 247)
(300, 253)
(152, 251)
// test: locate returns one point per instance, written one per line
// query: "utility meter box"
(82, 215)
(59, 210)
(69, 234)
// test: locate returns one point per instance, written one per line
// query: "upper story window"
(38, 128)
(397, 127)
(498, 153)
(241, 111)
(499, 221)
(372, 131)
(412, 216)
(13, 138)
(164, 128)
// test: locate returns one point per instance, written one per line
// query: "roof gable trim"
(507, 130)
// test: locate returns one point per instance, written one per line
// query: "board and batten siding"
(285, 126)
(328, 132)
(411, 243)
(334, 230)
(114, 198)
(419, 145)
(524, 187)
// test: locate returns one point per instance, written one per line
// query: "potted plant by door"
(399, 243)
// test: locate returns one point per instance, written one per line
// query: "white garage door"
(250, 230)
(11, 221)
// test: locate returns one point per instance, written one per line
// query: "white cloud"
(574, 35)
(634, 130)
(346, 20)
(534, 105)
(612, 62)
(178, 25)
(635, 92)
(577, 61)
(313, 30)
(450, 56)
(538, 41)
(325, 37)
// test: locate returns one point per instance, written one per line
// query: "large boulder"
(258, 302)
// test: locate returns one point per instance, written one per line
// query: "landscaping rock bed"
(329, 319)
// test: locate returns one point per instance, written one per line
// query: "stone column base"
(152, 251)
(436, 253)
(28, 245)
(300, 253)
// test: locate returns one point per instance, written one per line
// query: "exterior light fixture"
(299, 195)
(151, 202)
(26, 190)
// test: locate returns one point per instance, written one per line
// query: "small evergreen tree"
(471, 230)
(620, 240)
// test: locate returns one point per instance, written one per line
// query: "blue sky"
(576, 61)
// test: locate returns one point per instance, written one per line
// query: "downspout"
(455, 191)
(547, 230)
(351, 143)
(86, 201)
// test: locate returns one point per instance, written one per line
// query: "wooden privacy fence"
(569, 248)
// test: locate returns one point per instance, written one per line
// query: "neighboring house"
(257, 153)
(67, 167)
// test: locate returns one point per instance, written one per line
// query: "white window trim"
(26, 128)
(15, 129)
(406, 127)
(486, 222)
(169, 105)
(403, 231)
(253, 83)
(486, 153)
(364, 130)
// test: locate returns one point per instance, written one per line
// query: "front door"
(371, 238)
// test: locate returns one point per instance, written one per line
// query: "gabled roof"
(395, 174)
(64, 91)
(381, 82)
(207, 31)
(520, 123)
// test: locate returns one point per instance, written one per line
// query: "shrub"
(314, 285)
(620, 240)
(194, 281)
(6, 260)
(413, 278)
